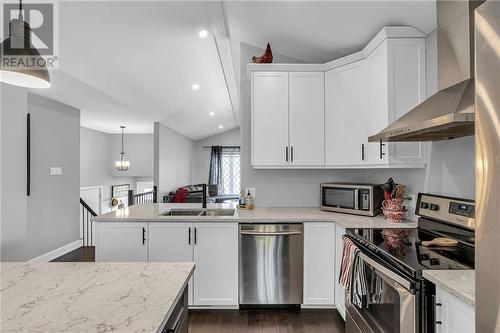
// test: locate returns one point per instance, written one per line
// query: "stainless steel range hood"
(449, 113)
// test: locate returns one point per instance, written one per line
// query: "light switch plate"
(251, 190)
(55, 171)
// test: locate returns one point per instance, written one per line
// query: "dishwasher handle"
(271, 233)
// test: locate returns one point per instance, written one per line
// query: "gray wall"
(49, 218)
(96, 163)
(173, 158)
(201, 156)
(450, 167)
(14, 222)
(138, 150)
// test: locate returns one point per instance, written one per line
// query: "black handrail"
(87, 207)
(146, 197)
(87, 214)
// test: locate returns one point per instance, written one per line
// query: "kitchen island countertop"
(90, 297)
(152, 213)
(459, 283)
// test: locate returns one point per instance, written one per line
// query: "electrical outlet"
(412, 200)
(251, 190)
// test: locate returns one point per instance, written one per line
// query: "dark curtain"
(215, 176)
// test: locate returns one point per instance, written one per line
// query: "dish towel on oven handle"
(353, 274)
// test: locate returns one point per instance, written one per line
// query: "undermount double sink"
(199, 212)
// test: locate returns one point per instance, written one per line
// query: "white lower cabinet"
(212, 246)
(121, 241)
(452, 314)
(319, 263)
(216, 259)
(339, 249)
(172, 242)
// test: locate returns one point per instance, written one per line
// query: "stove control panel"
(451, 210)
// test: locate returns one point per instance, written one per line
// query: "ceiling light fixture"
(203, 34)
(195, 86)
(18, 46)
(221, 126)
(122, 164)
(212, 114)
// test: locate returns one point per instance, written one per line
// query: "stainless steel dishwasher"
(271, 264)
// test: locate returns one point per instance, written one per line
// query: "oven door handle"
(387, 272)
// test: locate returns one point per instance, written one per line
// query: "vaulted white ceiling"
(134, 62)
(321, 31)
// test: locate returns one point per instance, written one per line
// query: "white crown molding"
(380, 37)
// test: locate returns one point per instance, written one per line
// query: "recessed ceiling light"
(221, 127)
(195, 86)
(212, 114)
(203, 33)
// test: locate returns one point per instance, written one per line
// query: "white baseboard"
(317, 306)
(57, 252)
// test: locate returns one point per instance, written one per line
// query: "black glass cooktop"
(402, 248)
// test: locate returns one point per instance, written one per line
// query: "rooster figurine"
(266, 58)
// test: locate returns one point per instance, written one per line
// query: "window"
(230, 171)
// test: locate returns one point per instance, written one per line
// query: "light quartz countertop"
(90, 297)
(152, 213)
(457, 282)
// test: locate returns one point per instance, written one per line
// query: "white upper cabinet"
(270, 119)
(345, 123)
(395, 85)
(306, 114)
(320, 116)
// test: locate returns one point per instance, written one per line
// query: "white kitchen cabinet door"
(339, 290)
(307, 118)
(319, 264)
(453, 315)
(377, 106)
(270, 119)
(216, 259)
(345, 121)
(395, 85)
(170, 241)
(122, 241)
(406, 59)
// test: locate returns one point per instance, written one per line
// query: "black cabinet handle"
(28, 154)
(286, 154)
(439, 304)
(362, 151)
(143, 235)
(381, 149)
(439, 322)
(195, 237)
(291, 153)
(189, 236)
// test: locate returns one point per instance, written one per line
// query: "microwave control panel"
(364, 196)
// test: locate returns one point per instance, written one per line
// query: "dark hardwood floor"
(265, 321)
(84, 254)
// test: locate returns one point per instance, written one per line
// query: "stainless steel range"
(398, 299)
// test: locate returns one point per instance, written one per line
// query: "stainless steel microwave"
(359, 199)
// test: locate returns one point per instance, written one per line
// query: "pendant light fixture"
(122, 164)
(18, 44)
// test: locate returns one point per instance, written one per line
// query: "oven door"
(390, 305)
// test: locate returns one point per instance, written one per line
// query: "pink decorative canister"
(393, 210)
